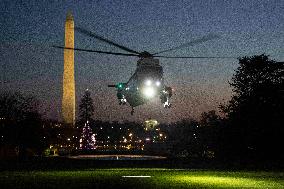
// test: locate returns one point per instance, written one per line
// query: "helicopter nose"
(149, 92)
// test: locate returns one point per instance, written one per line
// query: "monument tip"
(69, 16)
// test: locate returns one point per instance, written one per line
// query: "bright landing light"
(158, 83)
(149, 92)
(148, 82)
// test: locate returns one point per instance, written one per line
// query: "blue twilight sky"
(29, 64)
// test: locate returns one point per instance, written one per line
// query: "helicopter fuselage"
(146, 83)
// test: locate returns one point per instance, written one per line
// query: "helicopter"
(147, 81)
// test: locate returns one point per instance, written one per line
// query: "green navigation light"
(120, 85)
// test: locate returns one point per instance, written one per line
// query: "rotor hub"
(145, 54)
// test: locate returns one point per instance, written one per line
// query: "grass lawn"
(160, 178)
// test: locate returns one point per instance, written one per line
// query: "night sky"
(29, 64)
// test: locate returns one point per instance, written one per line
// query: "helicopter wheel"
(132, 111)
(167, 106)
(122, 101)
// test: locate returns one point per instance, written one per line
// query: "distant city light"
(151, 124)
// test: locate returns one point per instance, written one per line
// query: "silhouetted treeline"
(20, 124)
(255, 114)
(253, 126)
(86, 109)
(197, 139)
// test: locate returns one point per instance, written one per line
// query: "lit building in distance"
(68, 97)
(150, 124)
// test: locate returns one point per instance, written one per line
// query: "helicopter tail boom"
(111, 85)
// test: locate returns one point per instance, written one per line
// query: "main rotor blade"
(101, 52)
(91, 34)
(191, 43)
(197, 57)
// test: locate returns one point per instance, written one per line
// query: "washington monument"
(68, 97)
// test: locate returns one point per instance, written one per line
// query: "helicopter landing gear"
(132, 111)
(167, 104)
(165, 97)
(122, 101)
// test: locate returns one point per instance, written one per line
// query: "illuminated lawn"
(160, 178)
